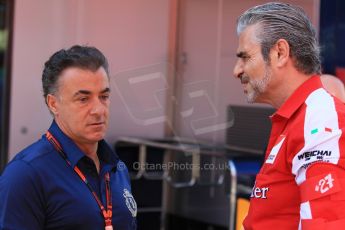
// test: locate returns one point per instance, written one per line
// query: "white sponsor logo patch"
(130, 202)
(273, 154)
(314, 154)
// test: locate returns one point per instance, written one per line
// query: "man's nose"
(98, 107)
(238, 69)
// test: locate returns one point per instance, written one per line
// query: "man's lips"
(97, 123)
(244, 80)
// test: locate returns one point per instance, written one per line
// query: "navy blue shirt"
(39, 190)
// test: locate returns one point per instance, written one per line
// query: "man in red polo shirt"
(302, 182)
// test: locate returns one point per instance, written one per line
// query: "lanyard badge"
(106, 213)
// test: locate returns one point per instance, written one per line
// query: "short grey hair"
(284, 21)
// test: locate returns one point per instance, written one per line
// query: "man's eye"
(105, 97)
(83, 99)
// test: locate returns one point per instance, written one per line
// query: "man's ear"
(52, 102)
(281, 52)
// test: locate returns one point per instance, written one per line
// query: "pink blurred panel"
(340, 73)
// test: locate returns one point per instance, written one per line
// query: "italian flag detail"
(328, 129)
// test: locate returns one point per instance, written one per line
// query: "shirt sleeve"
(21, 198)
(318, 165)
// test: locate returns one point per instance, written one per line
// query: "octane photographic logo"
(144, 91)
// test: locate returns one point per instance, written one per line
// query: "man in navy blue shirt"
(70, 178)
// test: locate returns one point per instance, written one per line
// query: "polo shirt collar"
(107, 155)
(298, 97)
(74, 154)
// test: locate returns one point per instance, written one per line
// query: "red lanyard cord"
(107, 213)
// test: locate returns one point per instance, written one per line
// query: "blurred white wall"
(131, 33)
(208, 44)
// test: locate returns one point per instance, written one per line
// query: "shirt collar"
(74, 154)
(299, 96)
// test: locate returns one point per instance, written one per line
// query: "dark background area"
(332, 34)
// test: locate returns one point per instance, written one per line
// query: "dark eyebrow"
(106, 90)
(87, 92)
(241, 54)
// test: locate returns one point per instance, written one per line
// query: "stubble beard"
(258, 87)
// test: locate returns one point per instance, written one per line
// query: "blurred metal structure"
(196, 151)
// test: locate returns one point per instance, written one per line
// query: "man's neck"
(90, 150)
(285, 88)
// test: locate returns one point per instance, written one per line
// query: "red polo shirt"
(307, 129)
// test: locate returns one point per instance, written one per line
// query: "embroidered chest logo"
(130, 202)
(324, 184)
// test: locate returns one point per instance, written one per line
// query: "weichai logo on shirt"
(319, 154)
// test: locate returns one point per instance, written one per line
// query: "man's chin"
(96, 137)
(251, 99)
